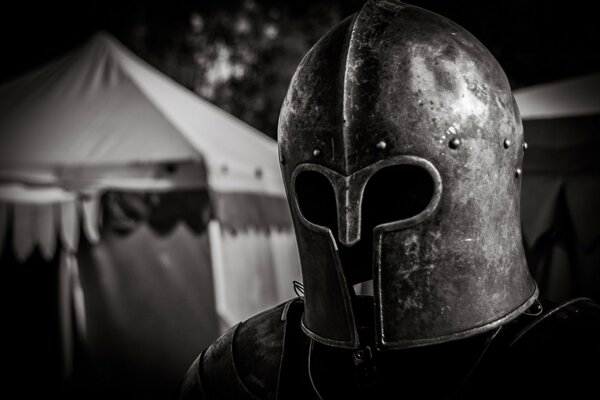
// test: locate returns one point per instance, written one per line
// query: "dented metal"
(400, 95)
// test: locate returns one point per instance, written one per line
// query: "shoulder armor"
(556, 354)
(573, 323)
(258, 348)
(212, 375)
(244, 362)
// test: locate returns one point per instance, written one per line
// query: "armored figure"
(401, 149)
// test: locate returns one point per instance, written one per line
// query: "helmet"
(400, 147)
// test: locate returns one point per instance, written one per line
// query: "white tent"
(573, 97)
(561, 185)
(100, 125)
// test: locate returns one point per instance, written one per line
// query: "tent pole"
(218, 272)
(71, 313)
(65, 318)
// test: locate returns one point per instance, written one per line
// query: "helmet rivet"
(518, 172)
(535, 308)
(525, 146)
(381, 145)
(316, 152)
(454, 143)
(507, 143)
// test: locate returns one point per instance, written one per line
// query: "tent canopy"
(100, 119)
(97, 139)
(102, 106)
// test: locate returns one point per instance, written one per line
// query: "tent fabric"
(3, 224)
(69, 225)
(139, 278)
(103, 106)
(99, 142)
(100, 118)
(90, 208)
(573, 97)
(24, 215)
(71, 311)
(150, 309)
(561, 227)
(44, 234)
(263, 208)
(250, 267)
(561, 186)
(18, 193)
(39, 217)
(125, 211)
(39, 226)
(237, 211)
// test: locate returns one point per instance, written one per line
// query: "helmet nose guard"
(349, 192)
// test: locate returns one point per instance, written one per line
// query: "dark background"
(261, 41)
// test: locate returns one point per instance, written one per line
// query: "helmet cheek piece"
(329, 206)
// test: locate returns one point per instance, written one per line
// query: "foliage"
(242, 54)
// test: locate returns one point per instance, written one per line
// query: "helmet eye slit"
(316, 199)
(393, 193)
(396, 193)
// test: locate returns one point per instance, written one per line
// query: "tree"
(240, 55)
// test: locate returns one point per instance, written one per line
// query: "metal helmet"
(401, 149)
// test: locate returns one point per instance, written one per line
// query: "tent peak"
(103, 105)
(106, 40)
(102, 35)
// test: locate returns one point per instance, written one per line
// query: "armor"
(400, 147)
(550, 352)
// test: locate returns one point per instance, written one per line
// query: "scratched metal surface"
(396, 82)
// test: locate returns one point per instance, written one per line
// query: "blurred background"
(240, 54)
(141, 209)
